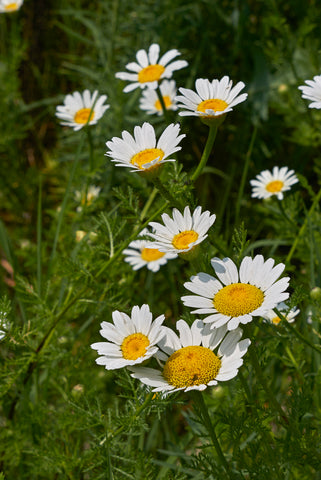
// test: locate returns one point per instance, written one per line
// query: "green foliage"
(63, 271)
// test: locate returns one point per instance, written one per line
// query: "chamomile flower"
(7, 6)
(239, 295)
(312, 91)
(141, 152)
(272, 317)
(139, 255)
(276, 182)
(150, 69)
(190, 361)
(150, 102)
(182, 232)
(212, 98)
(86, 198)
(2, 332)
(81, 109)
(131, 340)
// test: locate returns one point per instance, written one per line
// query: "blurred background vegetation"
(55, 416)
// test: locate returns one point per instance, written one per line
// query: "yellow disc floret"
(146, 156)
(134, 346)
(167, 103)
(151, 254)
(214, 104)
(194, 365)
(82, 116)
(182, 240)
(11, 7)
(151, 73)
(275, 186)
(238, 299)
(276, 320)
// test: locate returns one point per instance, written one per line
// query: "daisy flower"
(81, 109)
(150, 69)
(7, 6)
(276, 182)
(139, 255)
(212, 98)
(272, 317)
(182, 232)
(238, 296)
(131, 340)
(3, 333)
(86, 199)
(141, 152)
(190, 361)
(312, 91)
(150, 102)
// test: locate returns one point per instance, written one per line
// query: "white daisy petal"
(192, 363)
(131, 338)
(80, 110)
(244, 295)
(268, 184)
(312, 91)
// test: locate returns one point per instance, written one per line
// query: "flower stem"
(161, 100)
(266, 388)
(295, 331)
(91, 149)
(164, 192)
(284, 214)
(244, 175)
(206, 420)
(302, 229)
(206, 153)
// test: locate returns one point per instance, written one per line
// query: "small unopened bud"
(315, 294)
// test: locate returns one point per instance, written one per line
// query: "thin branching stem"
(206, 153)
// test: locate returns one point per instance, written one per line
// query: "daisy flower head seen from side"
(8, 6)
(290, 315)
(150, 102)
(182, 232)
(211, 99)
(149, 69)
(312, 91)
(190, 361)
(142, 152)
(237, 296)
(267, 183)
(139, 255)
(131, 339)
(81, 109)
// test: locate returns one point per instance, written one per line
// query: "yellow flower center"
(146, 156)
(151, 73)
(276, 320)
(167, 102)
(82, 116)
(194, 365)
(151, 254)
(134, 346)
(275, 186)
(214, 104)
(11, 7)
(182, 240)
(238, 299)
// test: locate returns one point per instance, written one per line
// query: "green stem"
(161, 100)
(284, 214)
(206, 420)
(91, 150)
(168, 197)
(137, 413)
(295, 332)
(244, 175)
(303, 227)
(148, 204)
(206, 153)
(268, 391)
(39, 235)
(64, 203)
